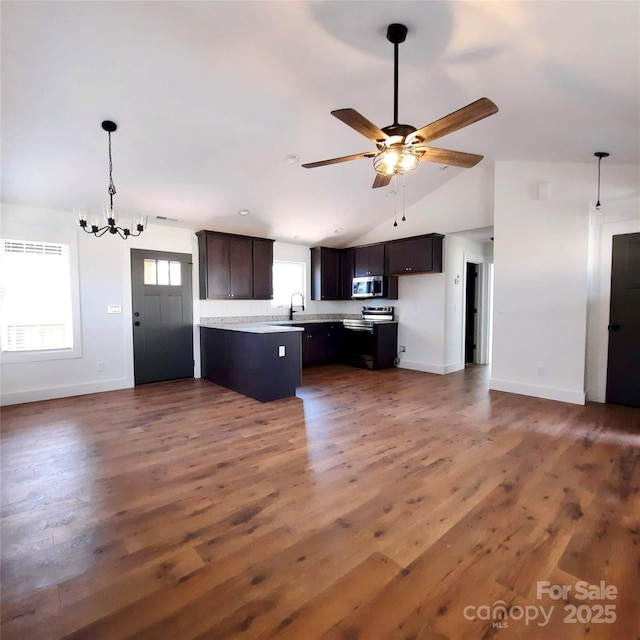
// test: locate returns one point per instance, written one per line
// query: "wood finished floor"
(375, 506)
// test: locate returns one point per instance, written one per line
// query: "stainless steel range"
(370, 316)
(371, 341)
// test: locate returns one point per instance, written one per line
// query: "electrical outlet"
(541, 370)
(100, 366)
(281, 351)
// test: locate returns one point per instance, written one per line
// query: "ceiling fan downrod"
(396, 33)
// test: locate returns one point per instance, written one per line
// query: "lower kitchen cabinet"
(321, 343)
(264, 366)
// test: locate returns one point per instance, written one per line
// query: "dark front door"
(471, 313)
(623, 368)
(162, 315)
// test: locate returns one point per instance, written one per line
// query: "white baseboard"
(422, 366)
(549, 393)
(453, 367)
(35, 395)
(431, 368)
(596, 396)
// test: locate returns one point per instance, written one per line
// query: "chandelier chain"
(112, 187)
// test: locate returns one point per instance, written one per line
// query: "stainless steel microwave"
(368, 287)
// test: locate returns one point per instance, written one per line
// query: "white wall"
(542, 276)
(431, 309)
(104, 267)
(465, 202)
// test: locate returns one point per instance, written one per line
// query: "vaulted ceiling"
(210, 98)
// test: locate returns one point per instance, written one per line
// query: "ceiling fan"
(401, 146)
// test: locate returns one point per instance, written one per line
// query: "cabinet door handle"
(136, 323)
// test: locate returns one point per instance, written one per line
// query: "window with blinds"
(35, 296)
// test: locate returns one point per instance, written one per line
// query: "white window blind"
(36, 296)
(288, 278)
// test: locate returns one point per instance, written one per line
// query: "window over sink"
(289, 277)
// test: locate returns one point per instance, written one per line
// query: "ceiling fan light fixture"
(395, 161)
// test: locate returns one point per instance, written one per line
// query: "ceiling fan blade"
(322, 163)
(446, 156)
(381, 181)
(358, 122)
(457, 120)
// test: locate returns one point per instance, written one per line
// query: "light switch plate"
(114, 308)
(281, 351)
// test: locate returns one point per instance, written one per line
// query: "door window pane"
(149, 271)
(175, 277)
(163, 271)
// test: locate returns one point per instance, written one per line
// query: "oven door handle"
(367, 329)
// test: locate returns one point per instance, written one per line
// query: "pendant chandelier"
(128, 228)
(599, 155)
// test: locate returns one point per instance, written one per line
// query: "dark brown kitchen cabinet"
(234, 267)
(325, 273)
(321, 343)
(346, 273)
(369, 260)
(262, 269)
(420, 254)
(331, 273)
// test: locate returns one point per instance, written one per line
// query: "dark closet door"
(623, 368)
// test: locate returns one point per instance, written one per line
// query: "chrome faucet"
(291, 309)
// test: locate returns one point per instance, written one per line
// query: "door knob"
(136, 323)
(614, 327)
(136, 314)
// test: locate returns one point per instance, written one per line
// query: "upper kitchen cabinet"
(331, 273)
(346, 273)
(325, 273)
(233, 266)
(420, 254)
(262, 269)
(369, 260)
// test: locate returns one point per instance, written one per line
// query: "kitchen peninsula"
(258, 360)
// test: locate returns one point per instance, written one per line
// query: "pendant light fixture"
(128, 228)
(599, 155)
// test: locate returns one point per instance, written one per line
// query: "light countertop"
(247, 327)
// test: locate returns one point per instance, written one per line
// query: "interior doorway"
(471, 338)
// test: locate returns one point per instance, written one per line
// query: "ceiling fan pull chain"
(395, 201)
(404, 219)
